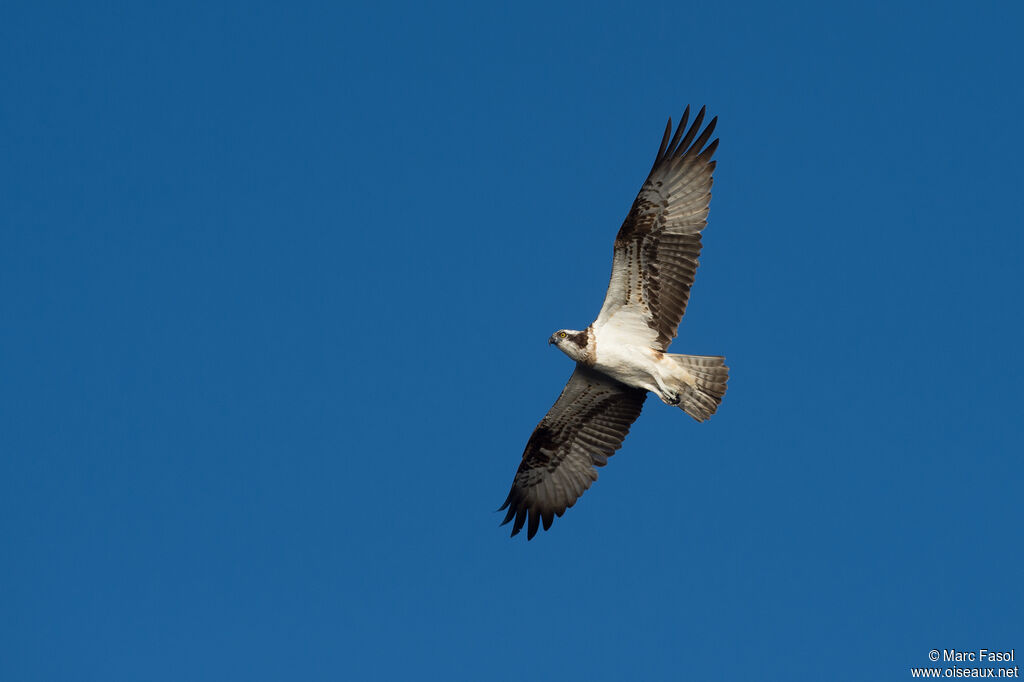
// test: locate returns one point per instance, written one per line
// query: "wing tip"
(517, 514)
(664, 139)
(708, 152)
(674, 148)
(531, 519)
(534, 522)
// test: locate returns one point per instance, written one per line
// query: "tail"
(701, 384)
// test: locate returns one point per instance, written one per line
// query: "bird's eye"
(561, 335)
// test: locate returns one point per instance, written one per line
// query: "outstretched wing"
(584, 427)
(658, 244)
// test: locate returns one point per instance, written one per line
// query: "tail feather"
(700, 393)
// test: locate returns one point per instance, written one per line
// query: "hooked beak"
(551, 339)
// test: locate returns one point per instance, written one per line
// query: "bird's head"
(571, 342)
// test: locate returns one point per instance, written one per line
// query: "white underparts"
(693, 383)
(644, 368)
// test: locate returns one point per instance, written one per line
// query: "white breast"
(632, 365)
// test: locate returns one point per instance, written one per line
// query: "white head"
(571, 342)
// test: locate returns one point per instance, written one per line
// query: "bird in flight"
(621, 355)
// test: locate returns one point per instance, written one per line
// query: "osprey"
(621, 355)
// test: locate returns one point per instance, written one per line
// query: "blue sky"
(275, 286)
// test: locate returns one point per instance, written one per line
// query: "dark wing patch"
(657, 247)
(584, 427)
